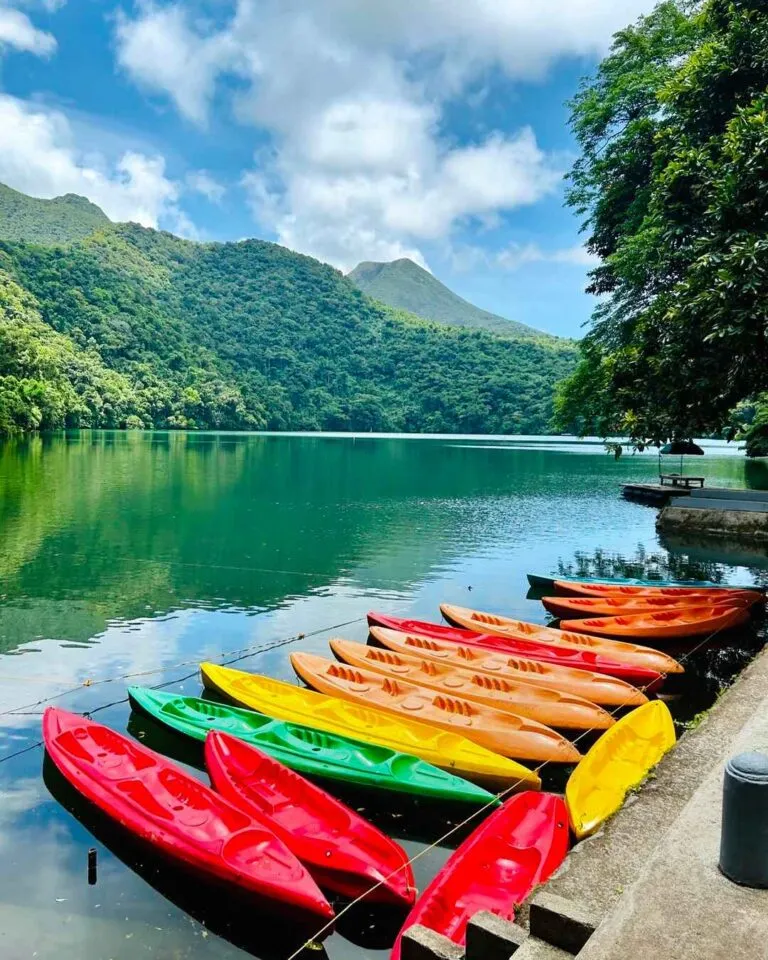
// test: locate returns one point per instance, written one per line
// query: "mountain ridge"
(405, 285)
(133, 327)
(37, 220)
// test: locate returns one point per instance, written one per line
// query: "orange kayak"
(504, 733)
(663, 624)
(520, 630)
(734, 597)
(569, 607)
(594, 687)
(543, 704)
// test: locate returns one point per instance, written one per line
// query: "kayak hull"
(617, 762)
(505, 733)
(496, 868)
(569, 608)
(538, 582)
(712, 595)
(449, 751)
(342, 851)
(663, 624)
(543, 651)
(161, 804)
(309, 751)
(599, 688)
(520, 630)
(543, 704)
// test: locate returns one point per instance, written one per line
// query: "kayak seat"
(258, 846)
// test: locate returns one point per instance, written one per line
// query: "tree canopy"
(46, 380)
(672, 183)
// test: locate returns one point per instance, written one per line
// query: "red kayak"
(178, 815)
(580, 659)
(341, 850)
(496, 868)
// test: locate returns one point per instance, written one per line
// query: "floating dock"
(653, 493)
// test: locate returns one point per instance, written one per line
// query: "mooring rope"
(170, 561)
(234, 656)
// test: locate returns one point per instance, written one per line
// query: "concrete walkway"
(681, 907)
(650, 878)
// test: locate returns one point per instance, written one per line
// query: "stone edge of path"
(595, 889)
(603, 875)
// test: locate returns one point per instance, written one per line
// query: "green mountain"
(130, 327)
(47, 221)
(407, 286)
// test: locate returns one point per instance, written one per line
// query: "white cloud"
(465, 257)
(521, 37)
(383, 211)
(200, 181)
(162, 52)
(351, 96)
(38, 156)
(517, 255)
(18, 31)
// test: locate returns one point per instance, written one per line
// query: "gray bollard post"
(744, 834)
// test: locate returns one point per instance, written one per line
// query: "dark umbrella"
(681, 448)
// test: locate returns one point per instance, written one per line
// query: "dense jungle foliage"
(673, 184)
(131, 327)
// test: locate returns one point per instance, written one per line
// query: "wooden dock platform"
(653, 493)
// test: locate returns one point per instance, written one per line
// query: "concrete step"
(732, 523)
(535, 949)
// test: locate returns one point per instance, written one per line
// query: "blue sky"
(346, 129)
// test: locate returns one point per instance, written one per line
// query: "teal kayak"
(309, 751)
(547, 583)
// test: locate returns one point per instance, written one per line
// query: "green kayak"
(309, 751)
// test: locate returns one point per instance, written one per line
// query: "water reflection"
(128, 558)
(644, 564)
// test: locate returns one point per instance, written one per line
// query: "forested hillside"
(46, 379)
(146, 329)
(405, 285)
(47, 221)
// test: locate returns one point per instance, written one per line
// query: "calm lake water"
(141, 554)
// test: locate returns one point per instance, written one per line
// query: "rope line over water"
(241, 653)
(342, 575)
(233, 656)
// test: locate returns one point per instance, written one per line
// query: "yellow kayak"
(618, 761)
(444, 749)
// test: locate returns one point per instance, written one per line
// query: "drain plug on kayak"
(744, 834)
